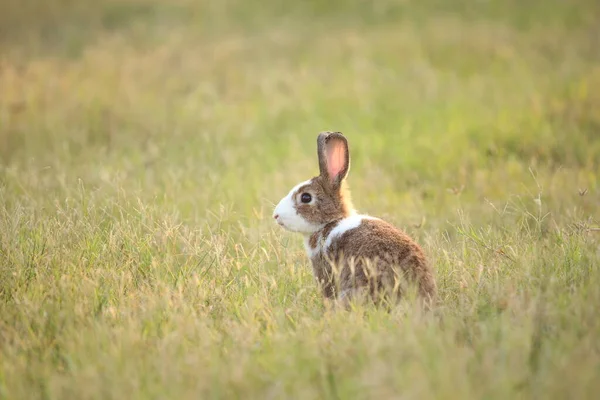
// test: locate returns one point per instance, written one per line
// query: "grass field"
(144, 143)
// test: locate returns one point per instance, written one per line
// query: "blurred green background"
(143, 144)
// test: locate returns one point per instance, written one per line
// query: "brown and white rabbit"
(352, 255)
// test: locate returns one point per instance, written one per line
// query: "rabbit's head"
(312, 204)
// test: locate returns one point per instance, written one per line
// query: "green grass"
(144, 143)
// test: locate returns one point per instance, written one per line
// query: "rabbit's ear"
(334, 157)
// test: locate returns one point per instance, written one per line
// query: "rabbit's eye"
(305, 198)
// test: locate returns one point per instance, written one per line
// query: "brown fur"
(374, 257)
(323, 233)
(328, 205)
(379, 257)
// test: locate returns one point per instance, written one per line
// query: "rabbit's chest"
(314, 245)
(318, 243)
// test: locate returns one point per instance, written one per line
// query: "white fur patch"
(289, 217)
(346, 225)
(310, 252)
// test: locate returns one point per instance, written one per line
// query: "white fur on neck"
(345, 225)
(310, 252)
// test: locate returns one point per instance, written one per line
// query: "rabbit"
(353, 256)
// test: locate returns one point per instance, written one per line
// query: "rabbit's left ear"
(334, 157)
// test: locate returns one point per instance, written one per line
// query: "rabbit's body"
(351, 254)
(368, 254)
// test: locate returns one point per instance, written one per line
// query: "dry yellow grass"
(143, 144)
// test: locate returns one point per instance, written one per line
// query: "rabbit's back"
(370, 252)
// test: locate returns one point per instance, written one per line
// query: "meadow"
(144, 143)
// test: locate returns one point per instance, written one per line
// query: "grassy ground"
(143, 144)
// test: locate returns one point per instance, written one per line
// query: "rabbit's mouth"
(284, 226)
(279, 221)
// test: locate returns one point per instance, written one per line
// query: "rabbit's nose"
(276, 216)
